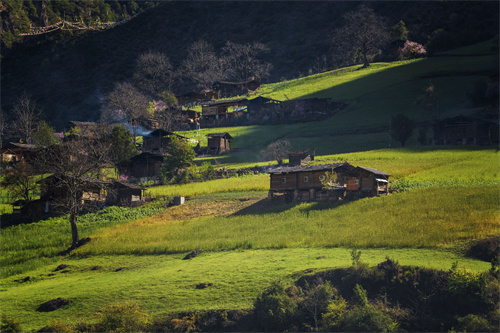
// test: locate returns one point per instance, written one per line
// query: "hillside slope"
(69, 75)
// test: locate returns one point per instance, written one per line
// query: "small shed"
(145, 165)
(367, 182)
(304, 182)
(218, 143)
(125, 194)
(157, 141)
(301, 157)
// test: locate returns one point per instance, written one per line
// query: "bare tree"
(20, 180)
(242, 61)
(125, 103)
(154, 73)
(277, 150)
(363, 33)
(203, 66)
(73, 164)
(25, 116)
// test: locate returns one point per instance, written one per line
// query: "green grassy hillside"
(248, 243)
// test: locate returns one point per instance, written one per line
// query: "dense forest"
(69, 72)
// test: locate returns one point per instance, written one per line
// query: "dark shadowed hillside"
(69, 72)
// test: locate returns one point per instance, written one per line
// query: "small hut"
(462, 130)
(143, 166)
(157, 141)
(125, 194)
(14, 152)
(367, 182)
(301, 157)
(218, 143)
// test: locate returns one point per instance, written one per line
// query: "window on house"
(283, 180)
(306, 179)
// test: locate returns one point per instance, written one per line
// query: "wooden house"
(125, 194)
(304, 182)
(263, 106)
(156, 141)
(228, 89)
(363, 182)
(301, 157)
(14, 152)
(218, 143)
(53, 189)
(462, 130)
(144, 166)
(215, 110)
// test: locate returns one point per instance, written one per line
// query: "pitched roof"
(25, 146)
(224, 101)
(375, 171)
(300, 152)
(307, 168)
(222, 135)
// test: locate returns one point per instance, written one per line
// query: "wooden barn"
(218, 143)
(363, 182)
(304, 182)
(156, 141)
(228, 89)
(215, 110)
(144, 166)
(301, 157)
(125, 194)
(263, 106)
(462, 130)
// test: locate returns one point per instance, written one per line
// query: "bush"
(368, 319)
(10, 324)
(57, 327)
(274, 309)
(124, 317)
(473, 323)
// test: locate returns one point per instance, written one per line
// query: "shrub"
(124, 317)
(56, 326)
(473, 323)
(274, 309)
(412, 50)
(332, 317)
(368, 319)
(10, 324)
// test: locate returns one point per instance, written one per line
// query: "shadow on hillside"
(265, 206)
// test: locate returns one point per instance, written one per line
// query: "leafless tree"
(20, 180)
(125, 103)
(203, 66)
(363, 33)
(242, 61)
(277, 150)
(154, 73)
(26, 114)
(73, 163)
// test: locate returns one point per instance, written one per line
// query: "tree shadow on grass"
(266, 206)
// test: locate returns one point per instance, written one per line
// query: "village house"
(194, 98)
(14, 152)
(261, 107)
(462, 130)
(301, 157)
(125, 194)
(305, 182)
(218, 143)
(219, 110)
(144, 167)
(52, 191)
(156, 141)
(228, 89)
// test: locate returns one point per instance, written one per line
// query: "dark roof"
(82, 123)
(222, 135)
(300, 152)
(237, 83)
(82, 178)
(374, 171)
(161, 132)
(11, 145)
(262, 100)
(128, 185)
(307, 168)
(225, 101)
(145, 155)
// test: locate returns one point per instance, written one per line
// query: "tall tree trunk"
(74, 230)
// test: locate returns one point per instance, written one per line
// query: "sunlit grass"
(430, 218)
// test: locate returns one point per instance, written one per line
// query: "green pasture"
(165, 283)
